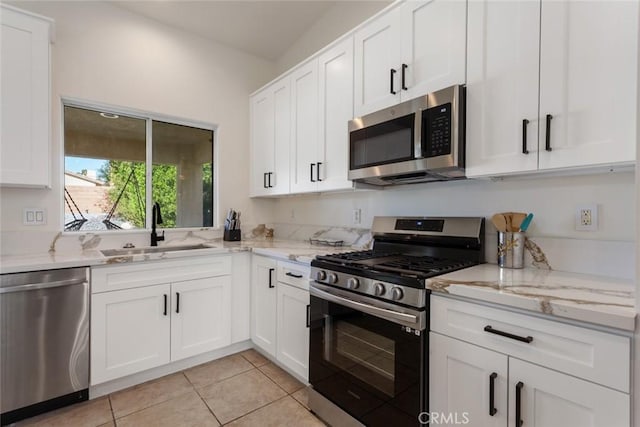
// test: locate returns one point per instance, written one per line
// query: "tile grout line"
(196, 388)
(256, 409)
(113, 415)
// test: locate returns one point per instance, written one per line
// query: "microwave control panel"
(436, 131)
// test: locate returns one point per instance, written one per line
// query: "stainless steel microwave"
(419, 140)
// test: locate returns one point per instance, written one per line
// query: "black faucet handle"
(162, 236)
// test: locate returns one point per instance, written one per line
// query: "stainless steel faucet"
(156, 218)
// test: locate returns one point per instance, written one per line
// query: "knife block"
(232, 235)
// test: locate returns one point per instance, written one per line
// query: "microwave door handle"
(392, 316)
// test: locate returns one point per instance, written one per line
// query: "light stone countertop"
(599, 300)
(297, 251)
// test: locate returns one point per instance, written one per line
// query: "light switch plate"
(34, 216)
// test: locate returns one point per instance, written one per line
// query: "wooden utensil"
(500, 222)
(516, 220)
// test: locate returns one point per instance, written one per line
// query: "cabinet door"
(25, 102)
(588, 82)
(433, 45)
(304, 127)
(201, 316)
(262, 141)
(502, 87)
(293, 332)
(129, 331)
(552, 399)
(377, 64)
(336, 109)
(279, 179)
(263, 303)
(460, 377)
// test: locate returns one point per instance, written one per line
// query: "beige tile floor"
(243, 389)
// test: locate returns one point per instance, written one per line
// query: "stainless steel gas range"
(369, 319)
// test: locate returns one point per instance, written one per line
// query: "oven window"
(384, 143)
(366, 355)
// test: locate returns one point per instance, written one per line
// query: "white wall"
(105, 54)
(338, 20)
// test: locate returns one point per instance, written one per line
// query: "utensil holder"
(511, 249)
(232, 235)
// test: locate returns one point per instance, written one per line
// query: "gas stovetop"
(406, 252)
(412, 266)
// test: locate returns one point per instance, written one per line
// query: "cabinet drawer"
(111, 278)
(596, 356)
(294, 274)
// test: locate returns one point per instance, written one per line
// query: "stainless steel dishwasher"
(44, 341)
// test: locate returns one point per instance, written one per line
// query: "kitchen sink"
(153, 250)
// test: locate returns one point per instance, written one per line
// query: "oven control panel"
(390, 292)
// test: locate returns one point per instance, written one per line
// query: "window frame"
(149, 117)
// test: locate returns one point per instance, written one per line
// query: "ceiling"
(263, 28)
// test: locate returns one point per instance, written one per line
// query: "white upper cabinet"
(25, 101)
(550, 85)
(304, 127)
(588, 82)
(502, 87)
(320, 160)
(414, 49)
(377, 58)
(433, 45)
(335, 72)
(270, 133)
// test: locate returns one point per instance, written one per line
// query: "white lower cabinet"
(467, 381)
(292, 327)
(553, 399)
(201, 316)
(494, 386)
(279, 307)
(263, 303)
(153, 317)
(130, 331)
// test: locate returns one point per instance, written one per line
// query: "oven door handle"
(413, 321)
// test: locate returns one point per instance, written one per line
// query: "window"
(118, 165)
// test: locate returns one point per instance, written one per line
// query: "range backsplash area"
(610, 251)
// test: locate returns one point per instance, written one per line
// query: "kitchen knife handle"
(525, 122)
(318, 171)
(391, 76)
(492, 390)
(404, 83)
(271, 270)
(519, 386)
(177, 302)
(547, 142)
(311, 172)
(308, 315)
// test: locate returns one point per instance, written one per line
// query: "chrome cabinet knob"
(379, 289)
(396, 293)
(321, 275)
(333, 278)
(353, 283)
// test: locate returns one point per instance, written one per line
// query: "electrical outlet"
(587, 217)
(357, 216)
(34, 216)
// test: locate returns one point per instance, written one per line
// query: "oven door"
(366, 360)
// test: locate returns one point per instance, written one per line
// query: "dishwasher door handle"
(47, 285)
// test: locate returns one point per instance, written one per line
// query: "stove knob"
(321, 275)
(333, 278)
(379, 289)
(353, 283)
(396, 293)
